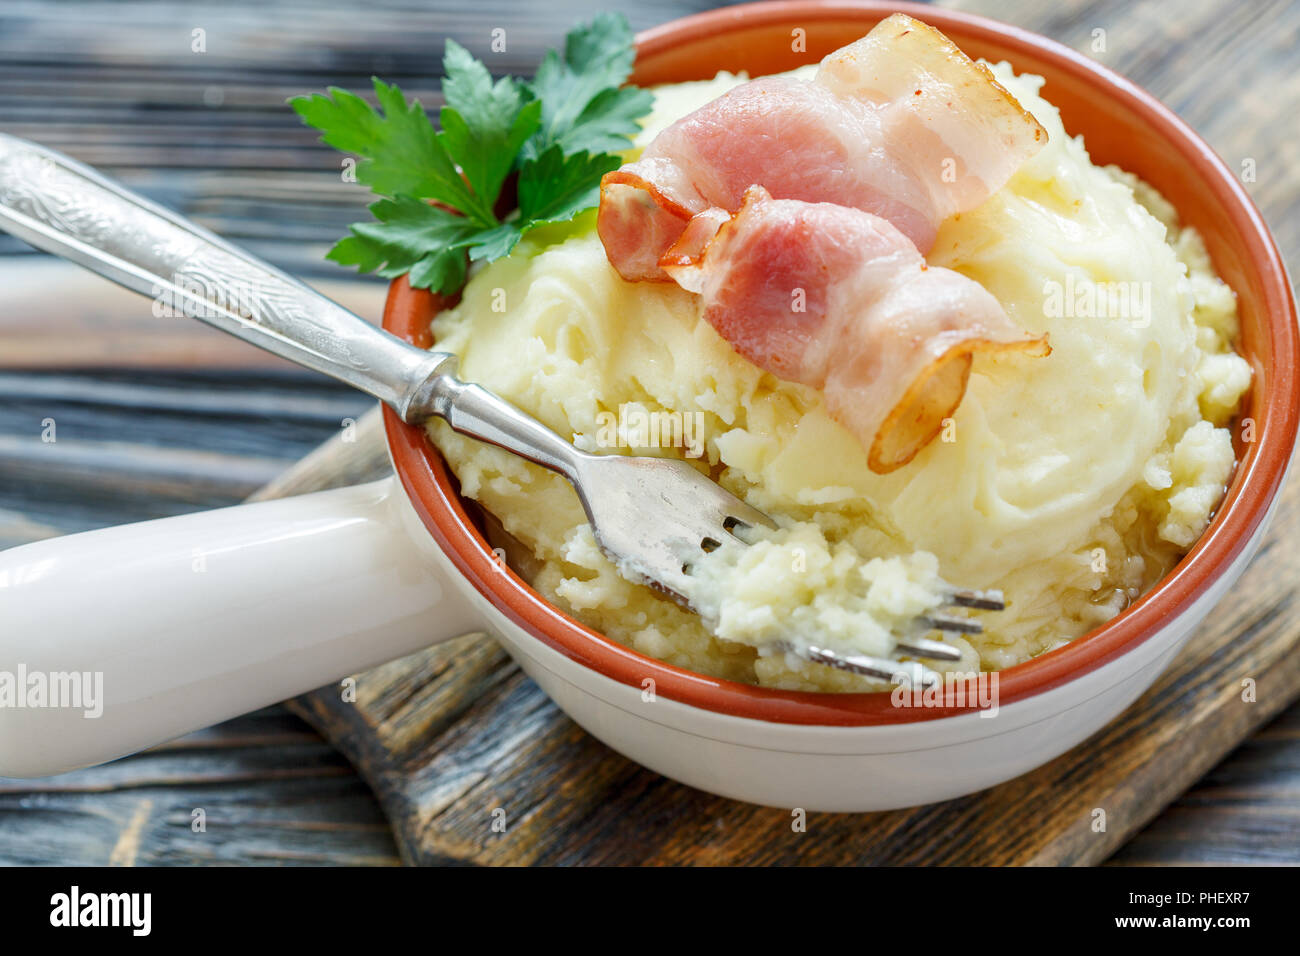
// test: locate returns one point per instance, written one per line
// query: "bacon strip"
(841, 300)
(900, 123)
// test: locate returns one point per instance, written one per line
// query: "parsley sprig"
(558, 134)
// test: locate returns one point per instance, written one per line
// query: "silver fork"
(652, 516)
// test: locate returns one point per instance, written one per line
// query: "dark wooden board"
(113, 84)
(271, 791)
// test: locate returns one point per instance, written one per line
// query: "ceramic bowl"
(1052, 701)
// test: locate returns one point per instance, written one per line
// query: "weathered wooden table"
(157, 417)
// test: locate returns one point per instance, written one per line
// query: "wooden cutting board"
(455, 740)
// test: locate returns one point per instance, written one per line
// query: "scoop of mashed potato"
(1072, 482)
(786, 590)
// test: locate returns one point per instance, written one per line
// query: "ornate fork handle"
(66, 208)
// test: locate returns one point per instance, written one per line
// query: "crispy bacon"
(841, 300)
(900, 123)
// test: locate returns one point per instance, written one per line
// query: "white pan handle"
(184, 622)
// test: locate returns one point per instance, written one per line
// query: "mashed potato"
(786, 591)
(1072, 482)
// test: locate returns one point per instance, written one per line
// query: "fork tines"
(924, 647)
(913, 672)
(988, 600)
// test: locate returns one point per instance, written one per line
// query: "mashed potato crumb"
(1072, 482)
(794, 587)
(1200, 465)
(1224, 378)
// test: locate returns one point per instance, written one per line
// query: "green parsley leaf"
(496, 243)
(584, 106)
(410, 235)
(483, 123)
(560, 133)
(401, 152)
(555, 187)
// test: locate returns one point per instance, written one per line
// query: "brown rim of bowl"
(1275, 401)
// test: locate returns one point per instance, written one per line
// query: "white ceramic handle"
(184, 622)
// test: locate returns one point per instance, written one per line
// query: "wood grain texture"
(116, 85)
(1245, 810)
(270, 789)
